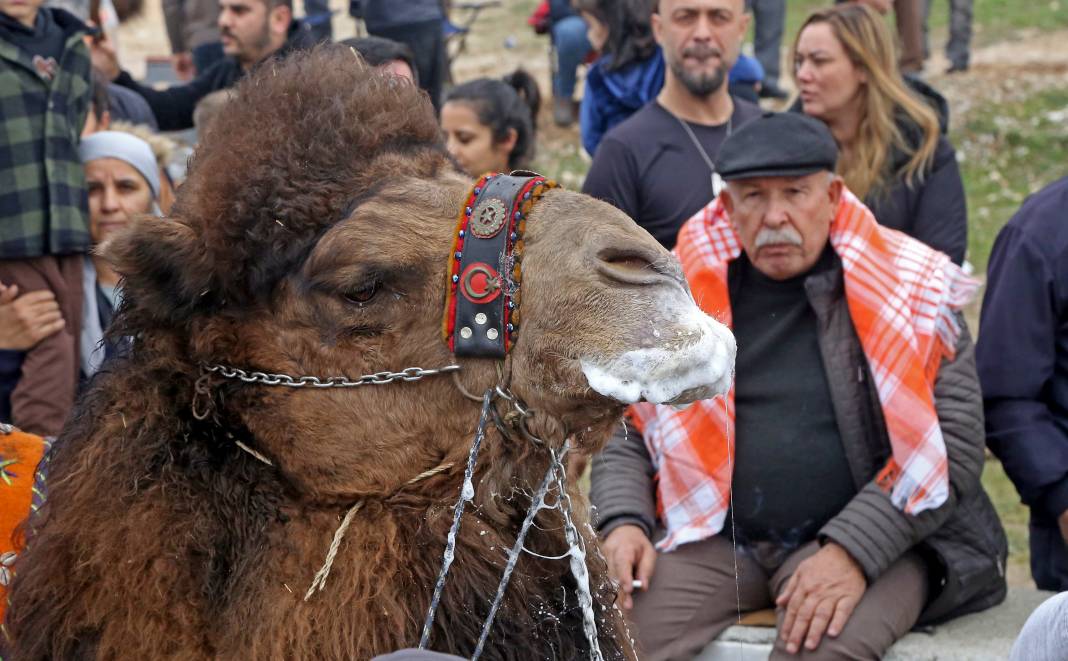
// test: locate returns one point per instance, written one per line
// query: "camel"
(188, 512)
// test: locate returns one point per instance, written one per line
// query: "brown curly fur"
(161, 539)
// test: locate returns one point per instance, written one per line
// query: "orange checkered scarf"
(902, 296)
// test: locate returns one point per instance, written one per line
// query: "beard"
(253, 50)
(700, 84)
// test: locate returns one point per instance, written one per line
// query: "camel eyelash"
(364, 295)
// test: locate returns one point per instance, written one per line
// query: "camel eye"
(364, 294)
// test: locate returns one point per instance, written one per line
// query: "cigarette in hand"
(636, 584)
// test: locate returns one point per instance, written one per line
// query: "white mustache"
(786, 235)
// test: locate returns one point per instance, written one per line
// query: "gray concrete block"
(986, 636)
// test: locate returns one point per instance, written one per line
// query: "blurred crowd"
(855, 364)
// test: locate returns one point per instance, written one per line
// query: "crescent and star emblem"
(480, 283)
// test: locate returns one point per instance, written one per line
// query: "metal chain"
(376, 379)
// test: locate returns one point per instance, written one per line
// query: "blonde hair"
(867, 167)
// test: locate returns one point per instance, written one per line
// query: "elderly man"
(840, 479)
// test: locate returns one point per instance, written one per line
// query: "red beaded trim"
(530, 194)
(453, 274)
(523, 203)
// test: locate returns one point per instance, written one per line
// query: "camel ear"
(165, 268)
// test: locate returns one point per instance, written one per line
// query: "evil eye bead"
(526, 195)
(510, 328)
(455, 278)
(458, 255)
(513, 236)
(461, 234)
(467, 211)
(518, 215)
(478, 190)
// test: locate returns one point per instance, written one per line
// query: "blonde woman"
(893, 153)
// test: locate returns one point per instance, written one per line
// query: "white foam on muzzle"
(694, 361)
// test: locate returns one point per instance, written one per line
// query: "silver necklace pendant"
(717, 184)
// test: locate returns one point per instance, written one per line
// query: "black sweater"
(174, 106)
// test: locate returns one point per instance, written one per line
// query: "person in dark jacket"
(385, 54)
(894, 154)
(419, 25)
(1023, 364)
(629, 72)
(841, 476)
(193, 30)
(251, 31)
(44, 100)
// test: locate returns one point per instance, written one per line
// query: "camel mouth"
(698, 363)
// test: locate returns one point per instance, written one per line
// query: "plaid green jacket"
(43, 202)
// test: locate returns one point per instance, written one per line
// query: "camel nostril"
(637, 266)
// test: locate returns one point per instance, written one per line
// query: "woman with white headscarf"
(123, 181)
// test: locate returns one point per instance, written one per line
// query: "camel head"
(314, 237)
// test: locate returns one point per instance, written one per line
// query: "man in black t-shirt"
(657, 166)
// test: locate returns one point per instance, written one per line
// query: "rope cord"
(319, 582)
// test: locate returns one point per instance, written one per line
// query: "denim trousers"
(569, 38)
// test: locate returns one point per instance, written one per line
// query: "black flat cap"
(785, 144)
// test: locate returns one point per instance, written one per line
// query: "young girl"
(489, 124)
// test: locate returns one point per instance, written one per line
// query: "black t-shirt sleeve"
(174, 106)
(613, 176)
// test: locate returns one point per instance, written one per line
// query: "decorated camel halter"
(485, 265)
(481, 321)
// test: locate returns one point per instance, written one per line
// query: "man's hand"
(26, 320)
(1063, 521)
(630, 556)
(102, 52)
(183, 66)
(820, 597)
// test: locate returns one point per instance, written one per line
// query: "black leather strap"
(486, 287)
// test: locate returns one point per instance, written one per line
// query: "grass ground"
(1008, 151)
(994, 20)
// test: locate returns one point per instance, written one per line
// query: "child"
(490, 125)
(44, 98)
